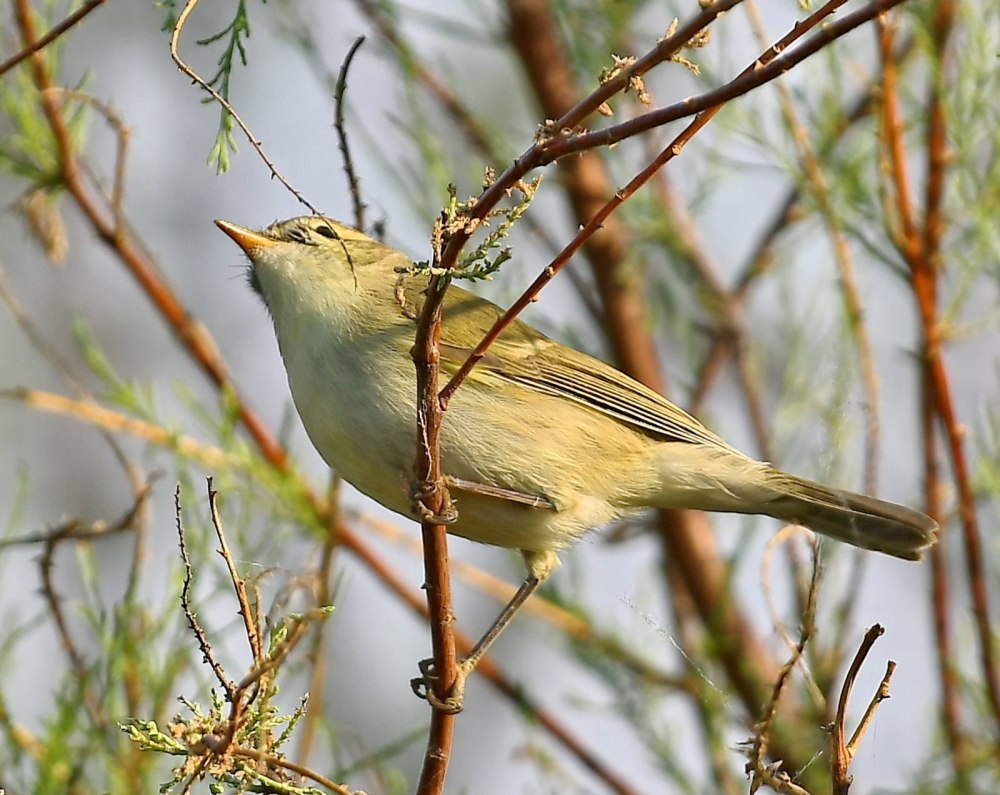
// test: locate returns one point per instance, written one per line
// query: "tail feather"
(862, 521)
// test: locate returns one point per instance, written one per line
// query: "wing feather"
(527, 357)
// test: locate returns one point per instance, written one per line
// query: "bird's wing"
(527, 357)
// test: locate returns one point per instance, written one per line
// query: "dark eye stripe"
(297, 234)
(326, 231)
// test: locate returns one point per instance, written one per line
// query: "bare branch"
(353, 183)
(57, 30)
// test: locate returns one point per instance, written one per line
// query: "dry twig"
(842, 750)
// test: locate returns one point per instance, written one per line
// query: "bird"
(540, 444)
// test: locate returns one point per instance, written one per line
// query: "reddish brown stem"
(436, 502)
(934, 224)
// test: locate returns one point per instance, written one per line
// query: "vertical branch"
(937, 164)
(907, 242)
(437, 509)
(921, 249)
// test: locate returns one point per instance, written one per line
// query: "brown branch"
(938, 159)
(921, 250)
(54, 33)
(569, 117)
(436, 504)
(907, 242)
(557, 147)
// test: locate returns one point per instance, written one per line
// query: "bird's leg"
(488, 490)
(540, 566)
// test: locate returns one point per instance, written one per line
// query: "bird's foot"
(421, 493)
(423, 686)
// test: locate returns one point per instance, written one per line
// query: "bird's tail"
(853, 518)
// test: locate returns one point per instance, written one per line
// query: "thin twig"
(880, 695)
(239, 584)
(473, 131)
(116, 196)
(93, 414)
(258, 147)
(853, 307)
(76, 530)
(353, 183)
(199, 633)
(281, 762)
(56, 31)
(758, 748)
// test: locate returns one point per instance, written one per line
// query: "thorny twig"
(353, 183)
(761, 772)
(199, 633)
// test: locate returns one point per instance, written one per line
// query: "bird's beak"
(251, 242)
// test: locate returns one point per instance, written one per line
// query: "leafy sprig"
(487, 258)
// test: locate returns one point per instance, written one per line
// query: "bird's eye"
(326, 231)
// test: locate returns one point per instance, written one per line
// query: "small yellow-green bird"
(540, 444)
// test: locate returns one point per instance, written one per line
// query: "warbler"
(540, 444)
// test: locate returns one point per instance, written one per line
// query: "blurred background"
(770, 261)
